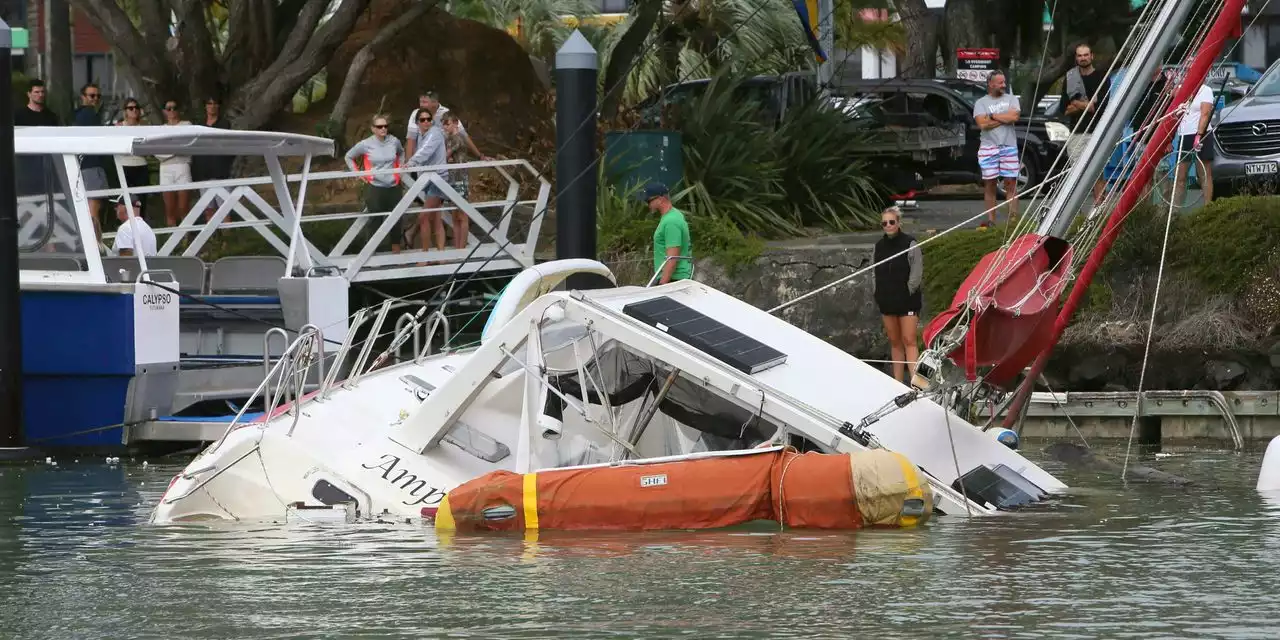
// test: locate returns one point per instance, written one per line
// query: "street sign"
(976, 64)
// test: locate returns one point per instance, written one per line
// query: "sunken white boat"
(574, 377)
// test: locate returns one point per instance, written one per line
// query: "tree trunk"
(273, 47)
(625, 54)
(921, 60)
(60, 91)
(355, 73)
(966, 27)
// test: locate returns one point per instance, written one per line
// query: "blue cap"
(651, 191)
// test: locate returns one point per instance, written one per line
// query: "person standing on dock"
(672, 242)
(380, 152)
(996, 114)
(93, 169)
(1084, 92)
(896, 287)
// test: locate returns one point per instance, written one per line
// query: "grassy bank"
(1221, 287)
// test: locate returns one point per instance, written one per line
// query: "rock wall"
(846, 317)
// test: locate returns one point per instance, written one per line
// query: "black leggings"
(140, 177)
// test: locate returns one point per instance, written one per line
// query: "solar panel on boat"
(706, 334)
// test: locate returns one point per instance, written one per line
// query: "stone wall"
(846, 317)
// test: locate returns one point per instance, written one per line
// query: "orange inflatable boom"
(812, 490)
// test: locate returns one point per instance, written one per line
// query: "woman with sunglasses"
(899, 274)
(175, 170)
(379, 152)
(135, 168)
(431, 151)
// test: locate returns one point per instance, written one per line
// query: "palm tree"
(540, 26)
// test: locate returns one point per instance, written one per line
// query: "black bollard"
(11, 441)
(576, 181)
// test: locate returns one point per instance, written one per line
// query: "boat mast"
(1066, 202)
(1202, 59)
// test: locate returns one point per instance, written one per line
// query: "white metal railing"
(238, 204)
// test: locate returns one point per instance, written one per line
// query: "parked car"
(1247, 140)
(951, 100)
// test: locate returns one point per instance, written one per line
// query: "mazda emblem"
(1259, 129)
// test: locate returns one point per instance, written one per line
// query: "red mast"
(1226, 26)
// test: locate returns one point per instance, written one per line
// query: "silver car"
(1247, 141)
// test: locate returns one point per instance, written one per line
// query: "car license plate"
(1261, 168)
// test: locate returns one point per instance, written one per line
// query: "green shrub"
(625, 228)
(773, 179)
(1224, 245)
(950, 259)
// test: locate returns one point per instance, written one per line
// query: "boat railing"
(502, 235)
(284, 384)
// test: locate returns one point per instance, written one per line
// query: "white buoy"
(1269, 476)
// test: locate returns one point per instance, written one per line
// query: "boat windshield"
(48, 236)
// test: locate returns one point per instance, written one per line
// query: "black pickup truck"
(921, 132)
(926, 101)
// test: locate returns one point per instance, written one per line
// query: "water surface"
(78, 561)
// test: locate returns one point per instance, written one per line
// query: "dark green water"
(1109, 561)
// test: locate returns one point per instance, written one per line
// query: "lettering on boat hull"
(420, 493)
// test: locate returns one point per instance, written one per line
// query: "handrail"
(266, 347)
(356, 323)
(406, 318)
(438, 318)
(357, 369)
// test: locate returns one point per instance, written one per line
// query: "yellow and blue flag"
(808, 12)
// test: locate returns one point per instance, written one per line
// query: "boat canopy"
(186, 140)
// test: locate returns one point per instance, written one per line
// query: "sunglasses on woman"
(888, 223)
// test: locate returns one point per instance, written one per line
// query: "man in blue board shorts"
(996, 114)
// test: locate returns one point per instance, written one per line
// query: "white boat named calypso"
(570, 378)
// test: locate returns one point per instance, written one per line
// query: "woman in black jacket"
(896, 287)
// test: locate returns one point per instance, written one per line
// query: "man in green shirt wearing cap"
(672, 244)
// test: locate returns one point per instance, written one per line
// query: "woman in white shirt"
(135, 169)
(1193, 130)
(175, 170)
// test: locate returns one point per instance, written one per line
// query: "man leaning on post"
(672, 244)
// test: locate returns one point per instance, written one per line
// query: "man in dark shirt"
(30, 171)
(93, 169)
(1084, 92)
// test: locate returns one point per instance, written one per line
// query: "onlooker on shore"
(896, 288)
(136, 173)
(672, 242)
(428, 102)
(212, 167)
(456, 153)
(134, 233)
(175, 169)
(1084, 91)
(380, 151)
(93, 169)
(997, 114)
(432, 151)
(32, 171)
(1193, 131)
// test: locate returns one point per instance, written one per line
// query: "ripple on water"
(1110, 560)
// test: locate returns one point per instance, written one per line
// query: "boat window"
(627, 377)
(48, 236)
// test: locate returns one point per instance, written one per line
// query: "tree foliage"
(252, 54)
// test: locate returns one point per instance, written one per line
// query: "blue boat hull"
(77, 363)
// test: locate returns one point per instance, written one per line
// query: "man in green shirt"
(672, 244)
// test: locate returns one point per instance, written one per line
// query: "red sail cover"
(1010, 300)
